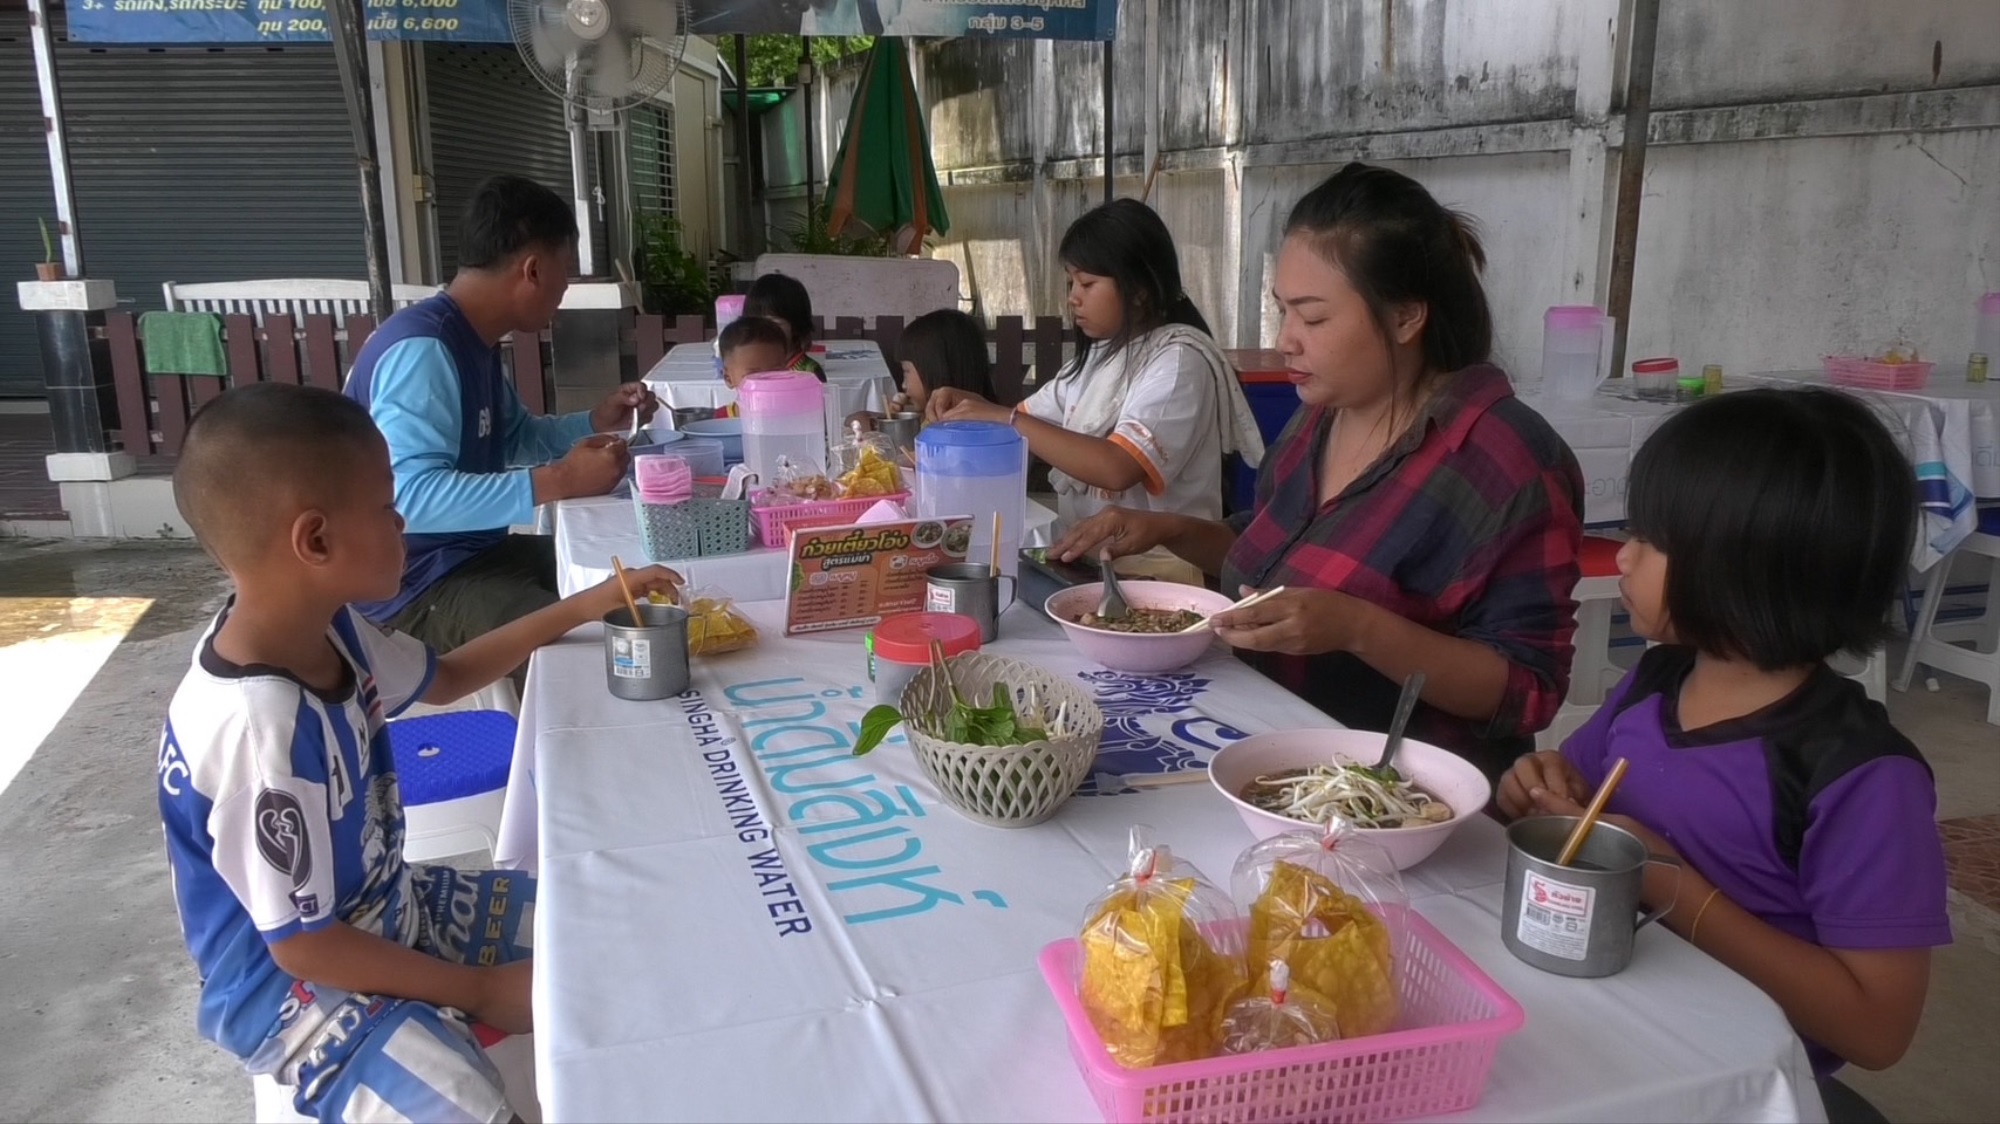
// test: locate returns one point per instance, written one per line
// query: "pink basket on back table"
(1437, 1061)
(1873, 374)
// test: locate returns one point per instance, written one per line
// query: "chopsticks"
(625, 587)
(1253, 599)
(1581, 831)
(995, 560)
(1166, 780)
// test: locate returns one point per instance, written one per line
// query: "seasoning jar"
(1711, 380)
(900, 647)
(1975, 367)
(1655, 378)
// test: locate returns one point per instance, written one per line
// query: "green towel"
(183, 343)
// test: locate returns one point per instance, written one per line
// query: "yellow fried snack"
(1153, 986)
(870, 476)
(1349, 968)
(713, 626)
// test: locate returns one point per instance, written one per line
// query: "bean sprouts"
(1355, 793)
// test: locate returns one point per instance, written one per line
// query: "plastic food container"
(1656, 378)
(900, 647)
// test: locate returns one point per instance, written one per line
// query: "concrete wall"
(1823, 174)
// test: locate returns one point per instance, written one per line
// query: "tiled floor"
(25, 490)
(1972, 854)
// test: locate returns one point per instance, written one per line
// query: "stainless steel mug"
(900, 429)
(649, 661)
(1577, 920)
(970, 589)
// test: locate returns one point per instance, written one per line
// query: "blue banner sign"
(280, 21)
(1010, 19)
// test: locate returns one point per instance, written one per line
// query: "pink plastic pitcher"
(1576, 351)
(784, 415)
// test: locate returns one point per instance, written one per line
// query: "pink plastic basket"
(774, 523)
(1436, 1062)
(1870, 374)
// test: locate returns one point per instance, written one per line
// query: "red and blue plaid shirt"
(1469, 525)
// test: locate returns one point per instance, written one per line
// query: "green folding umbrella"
(883, 174)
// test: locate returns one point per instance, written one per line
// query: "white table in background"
(678, 842)
(1950, 429)
(857, 378)
(589, 532)
(1604, 433)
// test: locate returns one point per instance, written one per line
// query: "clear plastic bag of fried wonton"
(1277, 1019)
(1162, 961)
(715, 625)
(1331, 905)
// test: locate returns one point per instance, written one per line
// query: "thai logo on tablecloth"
(1151, 725)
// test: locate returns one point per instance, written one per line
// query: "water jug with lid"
(1576, 351)
(1986, 338)
(978, 469)
(728, 310)
(784, 416)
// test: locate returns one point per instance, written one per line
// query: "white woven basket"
(1010, 786)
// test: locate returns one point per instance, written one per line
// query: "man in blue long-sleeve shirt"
(469, 460)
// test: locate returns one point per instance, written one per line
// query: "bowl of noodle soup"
(1434, 774)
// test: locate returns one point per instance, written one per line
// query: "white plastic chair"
(1931, 644)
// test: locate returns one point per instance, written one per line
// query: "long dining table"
(739, 920)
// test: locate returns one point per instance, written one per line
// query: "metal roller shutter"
(25, 194)
(488, 115)
(188, 163)
(210, 164)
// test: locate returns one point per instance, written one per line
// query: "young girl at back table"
(941, 349)
(1770, 530)
(1148, 409)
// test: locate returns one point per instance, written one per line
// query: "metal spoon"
(1406, 704)
(1111, 606)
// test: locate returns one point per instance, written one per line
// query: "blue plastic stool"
(452, 769)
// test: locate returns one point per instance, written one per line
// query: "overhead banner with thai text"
(1011, 19)
(155, 22)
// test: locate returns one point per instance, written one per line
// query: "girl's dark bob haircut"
(948, 348)
(1787, 518)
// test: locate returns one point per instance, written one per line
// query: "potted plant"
(48, 269)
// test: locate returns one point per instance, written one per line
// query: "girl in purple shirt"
(1769, 530)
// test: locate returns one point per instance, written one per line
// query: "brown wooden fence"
(153, 410)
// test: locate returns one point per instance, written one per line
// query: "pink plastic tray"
(1848, 370)
(1437, 1061)
(774, 523)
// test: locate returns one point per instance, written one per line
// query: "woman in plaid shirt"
(1419, 515)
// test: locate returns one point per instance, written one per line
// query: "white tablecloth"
(738, 921)
(1605, 433)
(857, 378)
(590, 531)
(1951, 432)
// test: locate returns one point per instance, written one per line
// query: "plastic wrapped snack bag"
(1277, 1019)
(714, 624)
(1161, 961)
(867, 468)
(797, 480)
(1330, 906)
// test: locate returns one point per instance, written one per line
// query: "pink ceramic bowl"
(1440, 772)
(1137, 651)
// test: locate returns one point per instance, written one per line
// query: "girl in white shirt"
(1144, 415)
